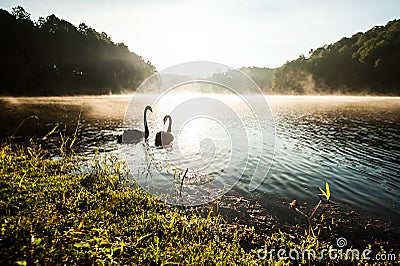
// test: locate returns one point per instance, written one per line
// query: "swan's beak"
(151, 110)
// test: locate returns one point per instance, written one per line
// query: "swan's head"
(166, 118)
(148, 107)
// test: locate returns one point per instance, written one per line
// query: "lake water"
(351, 142)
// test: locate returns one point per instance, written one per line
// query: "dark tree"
(53, 57)
(364, 63)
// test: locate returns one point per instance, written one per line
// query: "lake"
(351, 142)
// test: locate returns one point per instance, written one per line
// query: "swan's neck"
(146, 129)
(169, 124)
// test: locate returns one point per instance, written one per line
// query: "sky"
(237, 33)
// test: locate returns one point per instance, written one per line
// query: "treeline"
(51, 56)
(262, 76)
(234, 79)
(364, 63)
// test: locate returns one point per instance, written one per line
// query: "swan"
(164, 138)
(134, 135)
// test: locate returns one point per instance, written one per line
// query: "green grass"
(50, 216)
(52, 213)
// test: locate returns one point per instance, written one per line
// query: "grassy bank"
(54, 214)
(52, 217)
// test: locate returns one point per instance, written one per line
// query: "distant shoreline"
(153, 94)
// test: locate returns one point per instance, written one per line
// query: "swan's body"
(164, 138)
(134, 135)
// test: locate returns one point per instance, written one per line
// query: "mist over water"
(352, 142)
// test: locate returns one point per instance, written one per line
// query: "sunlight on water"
(215, 136)
(353, 142)
(198, 145)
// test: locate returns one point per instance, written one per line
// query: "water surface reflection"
(353, 142)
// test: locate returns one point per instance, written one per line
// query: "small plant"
(294, 205)
(327, 192)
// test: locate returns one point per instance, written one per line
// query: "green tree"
(20, 13)
(53, 57)
(365, 62)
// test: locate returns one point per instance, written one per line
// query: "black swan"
(164, 138)
(134, 135)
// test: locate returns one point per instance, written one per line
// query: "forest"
(51, 56)
(365, 63)
(262, 76)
